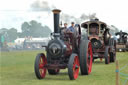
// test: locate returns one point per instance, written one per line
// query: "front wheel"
(40, 63)
(73, 66)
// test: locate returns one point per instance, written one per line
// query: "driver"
(94, 30)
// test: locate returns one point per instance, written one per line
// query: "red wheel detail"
(76, 67)
(89, 58)
(42, 63)
(73, 66)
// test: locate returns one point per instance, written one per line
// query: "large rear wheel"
(40, 63)
(73, 66)
(86, 57)
(106, 37)
(113, 48)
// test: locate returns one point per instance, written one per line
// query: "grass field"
(17, 68)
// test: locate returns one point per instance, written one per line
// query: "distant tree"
(12, 34)
(3, 30)
(34, 29)
(20, 34)
(46, 31)
(9, 34)
(4, 34)
(25, 27)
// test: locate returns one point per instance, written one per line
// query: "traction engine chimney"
(56, 14)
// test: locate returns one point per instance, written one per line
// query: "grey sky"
(15, 12)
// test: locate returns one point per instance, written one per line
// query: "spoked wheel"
(106, 55)
(86, 57)
(40, 63)
(73, 66)
(53, 71)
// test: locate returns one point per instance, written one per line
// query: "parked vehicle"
(122, 42)
(102, 44)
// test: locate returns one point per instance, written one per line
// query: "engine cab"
(102, 43)
(97, 32)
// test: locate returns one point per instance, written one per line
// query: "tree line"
(32, 28)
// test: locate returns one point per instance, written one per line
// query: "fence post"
(117, 72)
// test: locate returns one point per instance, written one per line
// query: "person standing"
(71, 28)
(63, 30)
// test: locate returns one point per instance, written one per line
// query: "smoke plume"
(83, 17)
(39, 5)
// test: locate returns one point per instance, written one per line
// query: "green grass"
(17, 68)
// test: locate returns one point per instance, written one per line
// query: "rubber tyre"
(85, 57)
(113, 53)
(73, 66)
(40, 62)
(112, 57)
(107, 55)
(106, 39)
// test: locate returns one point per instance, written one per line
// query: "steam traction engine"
(63, 52)
(102, 44)
(122, 43)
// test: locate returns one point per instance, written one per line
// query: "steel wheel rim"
(76, 70)
(42, 63)
(89, 58)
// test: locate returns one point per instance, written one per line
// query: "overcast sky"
(14, 12)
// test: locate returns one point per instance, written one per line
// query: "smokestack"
(56, 13)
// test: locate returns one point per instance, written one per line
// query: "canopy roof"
(85, 24)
